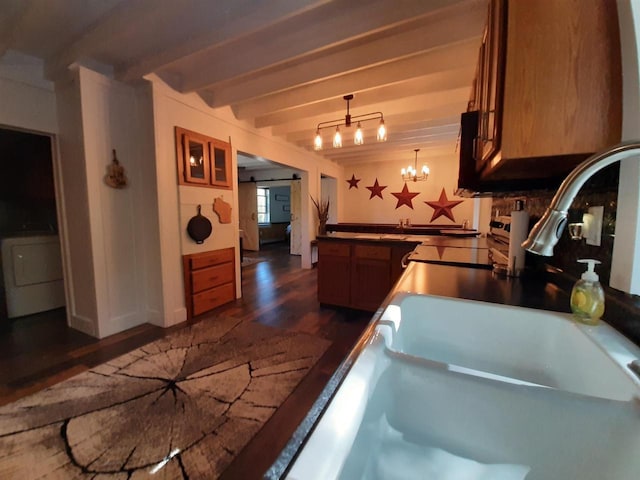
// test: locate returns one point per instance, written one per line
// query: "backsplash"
(600, 190)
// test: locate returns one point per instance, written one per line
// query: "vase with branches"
(322, 207)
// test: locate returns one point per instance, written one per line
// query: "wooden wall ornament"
(353, 181)
(116, 176)
(222, 209)
(443, 207)
(405, 197)
(376, 189)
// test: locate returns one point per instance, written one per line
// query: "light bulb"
(403, 172)
(358, 138)
(337, 139)
(382, 132)
(317, 142)
(425, 170)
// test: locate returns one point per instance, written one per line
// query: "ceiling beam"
(121, 21)
(236, 19)
(438, 66)
(413, 109)
(329, 26)
(454, 85)
(345, 63)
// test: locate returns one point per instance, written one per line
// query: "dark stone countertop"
(547, 290)
(471, 241)
(418, 229)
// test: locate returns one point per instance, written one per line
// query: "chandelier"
(411, 173)
(358, 137)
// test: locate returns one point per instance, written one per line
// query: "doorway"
(32, 279)
(269, 203)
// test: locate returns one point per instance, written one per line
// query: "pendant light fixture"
(410, 174)
(358, 137)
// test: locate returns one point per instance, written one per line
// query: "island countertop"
(466, 240)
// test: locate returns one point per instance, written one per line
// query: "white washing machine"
(32, 274)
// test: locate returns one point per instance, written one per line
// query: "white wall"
(26, 100)
(82, 309)
(109, 120)
(329, 190)
(360, 208)
(625, 262)
(177, 205)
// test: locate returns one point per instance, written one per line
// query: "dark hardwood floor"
(39, 350)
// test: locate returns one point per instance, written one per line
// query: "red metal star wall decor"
(405, 197)
(353, 182)
(443, 207)
(376, 189)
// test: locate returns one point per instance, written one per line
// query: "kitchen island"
(545, 290)
(357, 270)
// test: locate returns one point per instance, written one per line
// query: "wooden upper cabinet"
(490, 84)
(562, 87)
(220, 154)
(202, 161)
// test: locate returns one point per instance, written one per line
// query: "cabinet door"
(334, 273)
(220, 155)
(371, 282)
(491, 79)
(370, 276)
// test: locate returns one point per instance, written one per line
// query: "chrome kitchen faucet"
(546, 233)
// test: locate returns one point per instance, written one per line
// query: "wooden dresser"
(209, 280)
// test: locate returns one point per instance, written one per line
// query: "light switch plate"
(594, 235)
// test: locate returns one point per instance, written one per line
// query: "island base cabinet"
(356, 274)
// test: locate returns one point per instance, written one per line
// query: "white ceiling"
(284, 65)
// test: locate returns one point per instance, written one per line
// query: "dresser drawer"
(209, 280)
(373, 252)
(334, 248)
(212, 298)
(211, 277)
(212, 258)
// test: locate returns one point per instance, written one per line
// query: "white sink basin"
(536, 346)
(452, 389)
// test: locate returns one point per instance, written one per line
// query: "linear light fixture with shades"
(358, 137)
(410, 174)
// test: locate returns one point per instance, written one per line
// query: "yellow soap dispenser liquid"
(587, 296)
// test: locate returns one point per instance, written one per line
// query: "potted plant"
(323, 214)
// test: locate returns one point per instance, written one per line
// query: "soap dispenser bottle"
(587, 296)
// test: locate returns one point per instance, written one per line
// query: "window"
(263, 205)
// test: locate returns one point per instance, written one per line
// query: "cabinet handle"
(405, 260)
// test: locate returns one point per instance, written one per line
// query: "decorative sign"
(222, 209)
(376, 190)
(115, 177)
(443, 207)
(353, 182)
(405, 197)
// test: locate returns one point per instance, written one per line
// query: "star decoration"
(443, 207)
(376, 190)
(353, 182)
(405, 197)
